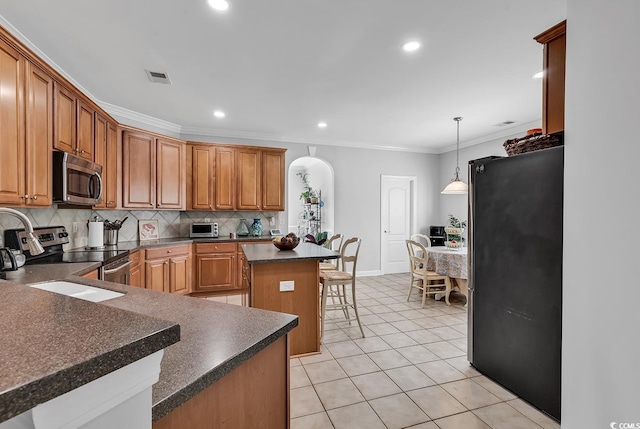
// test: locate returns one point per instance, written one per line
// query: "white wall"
(601, 338)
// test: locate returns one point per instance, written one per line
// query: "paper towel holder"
(100, 235)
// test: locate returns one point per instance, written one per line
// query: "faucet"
(35, 248)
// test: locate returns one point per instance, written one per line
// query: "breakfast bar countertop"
(214, 338)
(302, 252)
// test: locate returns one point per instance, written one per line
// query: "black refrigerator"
(515, 273)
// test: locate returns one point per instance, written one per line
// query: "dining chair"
(429, 282)
(422, 239)
(340, 279)
(331, 244)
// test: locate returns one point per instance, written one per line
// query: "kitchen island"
(288, 281)
(230, 364)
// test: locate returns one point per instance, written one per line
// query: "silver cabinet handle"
(35, 197)
(118, 268)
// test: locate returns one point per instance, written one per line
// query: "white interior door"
(397, 218)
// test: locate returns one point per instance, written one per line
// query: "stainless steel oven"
(117, 271)
(76, 180)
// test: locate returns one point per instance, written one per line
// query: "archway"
(305, 217)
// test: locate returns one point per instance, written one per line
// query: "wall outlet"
(287, 286)
(207, 219)
(74, 227)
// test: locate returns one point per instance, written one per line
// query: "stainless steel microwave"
(76, 180)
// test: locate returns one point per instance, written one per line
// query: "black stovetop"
(72, 256)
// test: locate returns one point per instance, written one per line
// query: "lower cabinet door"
(157, 274)
(216, 272)
(179, 274)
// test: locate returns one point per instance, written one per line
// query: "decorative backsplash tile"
(170, 223)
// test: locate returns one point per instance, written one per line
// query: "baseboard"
(369, 273)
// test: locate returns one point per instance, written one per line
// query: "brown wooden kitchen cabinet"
(260, 179)
(136, 271)
(153, 171)
(73, 119)
(248, 175)
(235, 178)
(225, 178)
(273, 180)
(216, 267)
(554, 53)
(171, 174)
(200, 177)
(106, 154)
(27, 129)
(167, 269)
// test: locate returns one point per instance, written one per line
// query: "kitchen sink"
(77, 290)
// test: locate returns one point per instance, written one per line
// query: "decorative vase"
(256, 227)
(242, 230)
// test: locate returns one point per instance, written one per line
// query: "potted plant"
(305, 196)
(454, 231)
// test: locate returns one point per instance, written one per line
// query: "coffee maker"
(437, 235)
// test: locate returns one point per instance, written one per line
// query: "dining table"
(449, 262)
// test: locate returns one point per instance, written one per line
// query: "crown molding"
(516, 130)
(122, 113)
(277, 138)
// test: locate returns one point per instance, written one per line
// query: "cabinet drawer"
(163, 252)
(215, 248)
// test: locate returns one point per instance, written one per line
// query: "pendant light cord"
(458, 119)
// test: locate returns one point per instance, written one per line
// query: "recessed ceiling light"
(219, 4)
(219, 114)
(538, 75)
(411, 46)
(322, 125)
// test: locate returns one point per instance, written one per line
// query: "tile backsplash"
(170, 223)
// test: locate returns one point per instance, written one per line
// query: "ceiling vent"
(502, 124)
(158, 77)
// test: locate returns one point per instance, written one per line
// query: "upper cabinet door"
(39, 136)
(273, 180)
(101, 154)
(202, 175)
(225, 178)
(248, 176)
(12, 187)
(110, 195)
(138, 170)
(85, 143)
(171, 175)
(64, 118)
(553, 79)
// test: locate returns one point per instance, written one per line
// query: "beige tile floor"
(410, 371)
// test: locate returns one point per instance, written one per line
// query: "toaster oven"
(203, 230)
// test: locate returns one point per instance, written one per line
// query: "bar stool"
(340, 278)
(326, 265)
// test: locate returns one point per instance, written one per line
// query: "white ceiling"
(278, 67)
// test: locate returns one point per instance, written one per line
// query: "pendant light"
(456, 186)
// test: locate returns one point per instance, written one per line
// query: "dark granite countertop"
(215, 338)
(52, 344)
(303, 252)
(132, 246)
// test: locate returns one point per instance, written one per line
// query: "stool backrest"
(349, 254)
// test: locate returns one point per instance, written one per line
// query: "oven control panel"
(47, 236)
